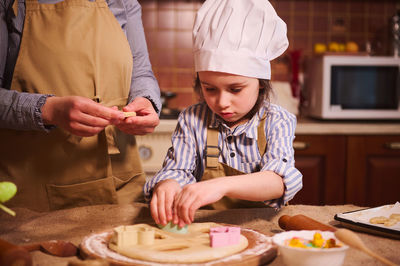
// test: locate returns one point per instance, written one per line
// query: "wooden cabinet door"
(321, 160)
(373, 172)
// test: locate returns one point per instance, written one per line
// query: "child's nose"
(223, 100)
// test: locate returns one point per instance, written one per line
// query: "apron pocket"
(130, 190)
(101, 191)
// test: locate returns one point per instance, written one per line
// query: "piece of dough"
(129, 114)
(390, 222)
(193, 247)
(378, 220)
(395, 216)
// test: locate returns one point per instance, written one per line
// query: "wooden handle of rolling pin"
(11, 254)
(302, 222)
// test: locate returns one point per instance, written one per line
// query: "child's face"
(229, 96)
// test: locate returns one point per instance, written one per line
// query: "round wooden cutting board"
(260, 251)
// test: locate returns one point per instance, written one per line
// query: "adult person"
(68, 70)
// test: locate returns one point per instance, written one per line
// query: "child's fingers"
(161, 208)
(183, 207)
(195, 206)
(154, 209)
(175, 210)
(179, 210)
(169, 200)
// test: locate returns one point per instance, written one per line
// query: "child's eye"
(209, 89)
(236, 90)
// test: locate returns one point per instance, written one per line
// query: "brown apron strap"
(261, 138)
(15, 7)
(212, 151)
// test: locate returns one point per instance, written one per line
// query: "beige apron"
(74, 47)
(215, 169)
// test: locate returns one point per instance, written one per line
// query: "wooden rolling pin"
(302, 222)
(11, 255)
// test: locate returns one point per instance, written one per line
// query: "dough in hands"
(167, 247)
(129, 114)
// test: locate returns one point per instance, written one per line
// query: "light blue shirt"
(185, 160)
(21, 111)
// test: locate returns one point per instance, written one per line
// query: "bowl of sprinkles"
(310, 247)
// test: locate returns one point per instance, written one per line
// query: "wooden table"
(74, 224)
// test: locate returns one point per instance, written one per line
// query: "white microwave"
(353, 87)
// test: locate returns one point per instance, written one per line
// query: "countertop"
(309, 126)
(74, 224)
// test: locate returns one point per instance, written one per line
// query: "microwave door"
(365, 87)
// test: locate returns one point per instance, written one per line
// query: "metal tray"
(359, 220)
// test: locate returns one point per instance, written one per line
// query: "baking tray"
(359, 220)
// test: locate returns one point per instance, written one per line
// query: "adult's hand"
(79, 115)
(162, 201)
(144, 122)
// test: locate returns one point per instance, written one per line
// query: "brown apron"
(215, 169)
(75, 47)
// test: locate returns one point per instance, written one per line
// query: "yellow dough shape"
(150, 243)
(395, 216)
(129, 114)
(378, 220)
(390, 222)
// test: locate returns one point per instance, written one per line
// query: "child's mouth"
(226, 115)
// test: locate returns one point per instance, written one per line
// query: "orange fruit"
(351, 47)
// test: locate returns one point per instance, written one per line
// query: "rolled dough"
(179, 248)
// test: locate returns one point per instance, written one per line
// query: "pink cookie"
(224, 236)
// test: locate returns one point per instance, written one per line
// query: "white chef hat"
(238, 37)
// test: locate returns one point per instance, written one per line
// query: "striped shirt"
(185, 160)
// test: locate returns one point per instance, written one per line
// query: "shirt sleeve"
(279, 157)
(180, 161)
(144, 83)
(21, 111)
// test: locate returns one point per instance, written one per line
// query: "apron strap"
(261, 138)
(212, 151)
(15, 7)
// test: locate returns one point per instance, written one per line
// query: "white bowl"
(309, 256)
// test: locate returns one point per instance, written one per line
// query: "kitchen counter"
(309, 126)
(74, 224)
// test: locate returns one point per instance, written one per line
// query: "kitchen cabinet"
(373, 170)
(348, 169)
(321, 160)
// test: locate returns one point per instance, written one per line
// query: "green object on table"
(7, 191)
(174, 228)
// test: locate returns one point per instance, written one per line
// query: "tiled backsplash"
(168, 26)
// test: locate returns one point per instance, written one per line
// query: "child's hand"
(163, 199)
(194, 196)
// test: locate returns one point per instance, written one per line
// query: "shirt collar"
(249, 128)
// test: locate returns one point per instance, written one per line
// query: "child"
(234, 145)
